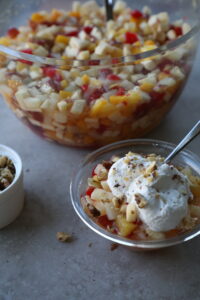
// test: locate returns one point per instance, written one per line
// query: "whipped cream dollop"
(159, 191)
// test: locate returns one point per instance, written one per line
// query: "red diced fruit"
(115, 60)
(72, 33)
(178, 31)
(113, 77)
(96, 94)
(121, 91)
(27, 51)
(157, 97)
(137, 14)
(49, 72)
(87, 29)
(130, 37)
(84, 87)
(103, 221)
(13, 33)
(94, 62)
(89, 191)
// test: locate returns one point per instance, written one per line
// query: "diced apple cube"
(101, 195)
(78, 107)
(131, 213)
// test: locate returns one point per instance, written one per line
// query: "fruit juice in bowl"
(76, 79)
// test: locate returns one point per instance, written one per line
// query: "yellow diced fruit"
(65, 94)
(74, 14)
(55, 14)
(5, 41)
(131, 99)
(147, 87)
(96, 108)
(20, 66)
(38, 18)
(62, 39)
(162, 76)
(149, 43)
(125, 227)
(64, 83)
(85, 79)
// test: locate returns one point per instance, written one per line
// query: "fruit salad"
(142, 198)
(83, 81)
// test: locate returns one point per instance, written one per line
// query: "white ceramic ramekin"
(12, 198)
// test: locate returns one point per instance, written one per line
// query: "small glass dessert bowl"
(136, 233)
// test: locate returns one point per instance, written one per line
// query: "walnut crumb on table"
(63, 237)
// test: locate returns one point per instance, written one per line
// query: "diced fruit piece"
(105, 72)
(113, 77)
(13, 32)
(38, 18)
(96, 94)
(84, 87)
(155, 235)
(105, 186)
(62, 39)
(130, 37)
(125, 228)
(78, 107)
(85, 79)
(101, 195)
(101, 172)
(137, 14)
(89, 191)
(131, 214)
(103, 221)
(5, 41)
(87, 29)
(72, 33)
(110, 210)
(65, 94)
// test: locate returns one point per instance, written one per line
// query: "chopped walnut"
(140, 200)
(63, 237)
(7, 172)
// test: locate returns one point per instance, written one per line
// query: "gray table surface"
(34, 265)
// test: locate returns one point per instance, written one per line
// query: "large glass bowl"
(143, 146)
(101, 121)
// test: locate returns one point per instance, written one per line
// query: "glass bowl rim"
(99, 63)
(145, 245)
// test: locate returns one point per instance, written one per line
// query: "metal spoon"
(186, 140)
(109, 9)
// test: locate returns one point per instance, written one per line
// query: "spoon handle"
(187, 139)
(109, 9)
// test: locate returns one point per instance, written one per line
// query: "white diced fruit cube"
(101, 195)
(110, 211)
(62, 106)
(168, 81)
(22, 93)
(60, 117)
(171, 34)
(84, 54)
(11, 65)
(48, 33)
(78, 107)
(131, 214)
(77, 43)
(177, 73)
(149, 64)
(119, 6)
(32, 103)
(96, 33)
(101, 171)
(41, 51)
